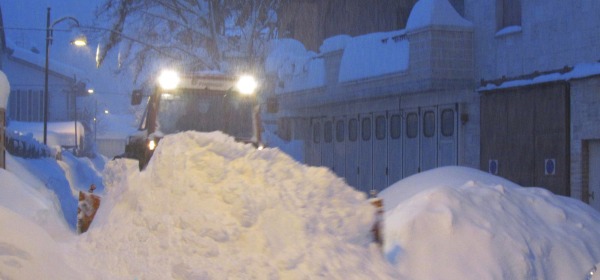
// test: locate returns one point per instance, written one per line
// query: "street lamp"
(77, 42)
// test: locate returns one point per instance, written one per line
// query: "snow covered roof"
(579, 71)
(38, 60)
(434, 12)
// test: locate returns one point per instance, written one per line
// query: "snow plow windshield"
(205, 110)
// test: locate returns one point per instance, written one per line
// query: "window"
(447, 122)
(395, 126)
(366, 129)
(328, 133)
(317, 132)
(429, 124)
(352, 130)
(508, 13)
(285, 130)
(412, 125)
(380, 127)
(26, 105)
(339, 131)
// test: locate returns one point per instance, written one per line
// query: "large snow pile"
(461, 223)
(209, 208)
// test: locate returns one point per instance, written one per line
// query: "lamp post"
(48, 42)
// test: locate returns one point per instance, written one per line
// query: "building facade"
(519, 87)
(544, 54)
(25, 71)
(376, 128)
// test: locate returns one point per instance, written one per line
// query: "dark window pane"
(328, 133)
(395, 126)
(366, 129)
(339, 131)
(380, 128)
(412, 125)
(317, 132)
(285, 129)
(352, 130)
(448, 122)
(429, 124)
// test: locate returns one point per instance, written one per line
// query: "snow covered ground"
(209, 208)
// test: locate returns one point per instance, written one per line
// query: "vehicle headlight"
(591, 273)
(151, 145)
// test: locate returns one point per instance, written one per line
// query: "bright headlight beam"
(168, 79)
(246, 85)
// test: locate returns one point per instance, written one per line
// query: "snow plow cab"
(207, 102)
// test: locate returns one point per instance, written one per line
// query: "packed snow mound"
(207, 207)
(36, 257)
(462, 223)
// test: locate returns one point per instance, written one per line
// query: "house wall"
(25, 77)
(585, 97)
(553, 34)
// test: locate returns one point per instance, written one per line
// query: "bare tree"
(191, 34)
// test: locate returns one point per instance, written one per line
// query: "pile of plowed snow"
(209, 208)
(462, 223)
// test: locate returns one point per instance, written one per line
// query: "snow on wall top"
(335, 43)
(4, 90)
(373, 55)
(298, 68)
(434, 12)
(579, 71)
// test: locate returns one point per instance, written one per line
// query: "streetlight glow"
(79, 41)
(168, 80)
(246, 85)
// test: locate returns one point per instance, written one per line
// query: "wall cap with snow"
(435, 13)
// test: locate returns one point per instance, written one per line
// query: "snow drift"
(461, 223)
(209, 208)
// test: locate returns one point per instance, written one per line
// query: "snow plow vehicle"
(202, 102)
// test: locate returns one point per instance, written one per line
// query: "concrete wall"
(554, 34)
(585, 117)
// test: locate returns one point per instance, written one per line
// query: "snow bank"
(27, 251)
(461, 223)
(39, 206)
(207, 207)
